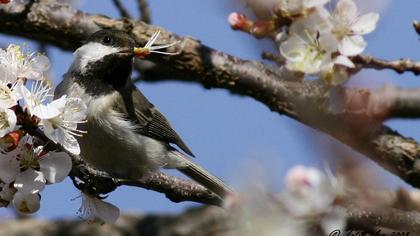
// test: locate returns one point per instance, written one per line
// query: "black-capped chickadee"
(127, 136)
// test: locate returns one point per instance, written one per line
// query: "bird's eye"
(107, 40)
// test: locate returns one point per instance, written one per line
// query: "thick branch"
(304, 101)
(390, 218)
(388, 102)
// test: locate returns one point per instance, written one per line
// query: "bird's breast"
(113, 145)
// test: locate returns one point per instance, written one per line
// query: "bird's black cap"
(114, 38)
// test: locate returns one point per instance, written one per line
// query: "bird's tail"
(203, 177)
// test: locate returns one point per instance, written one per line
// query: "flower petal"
(352, 46)
(51, 110)
(7, 120)
(30, 181)
(40, 63)
(365, 23)
(293, 49)
(49, 130)
(55, 166)
(69, 142)
(9, 168)
(312, 3)
(26, 203)
(59, 103)
(75, 110)
(344, 61)
(308, 191)
(45, 111)
(93, 208)
(7, 96)
(106, 211)
(339, 76)
(7, 193)
(345, 10)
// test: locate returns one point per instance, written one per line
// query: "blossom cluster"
(316, 41)
(26, 107)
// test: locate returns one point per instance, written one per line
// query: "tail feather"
(205, 178)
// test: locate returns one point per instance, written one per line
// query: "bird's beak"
(126, 52)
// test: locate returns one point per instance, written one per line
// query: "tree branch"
(175, 189)
(301, 100)
(416, 26)
(389, 218)
(144, 9)
(120, 7)
(399, 66)
(381, 104)
(198, 221)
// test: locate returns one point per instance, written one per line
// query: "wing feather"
(150, 121)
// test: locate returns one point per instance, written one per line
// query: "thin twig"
(123, 11)
(416, 26)
(399, 66)
(272, 57)
(144, 9)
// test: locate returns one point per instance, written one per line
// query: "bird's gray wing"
(150, 121)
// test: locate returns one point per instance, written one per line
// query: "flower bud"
(11, 140)
(239, 22)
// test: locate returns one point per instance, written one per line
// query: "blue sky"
(235, 137)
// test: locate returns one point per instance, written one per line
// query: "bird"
(126, 135)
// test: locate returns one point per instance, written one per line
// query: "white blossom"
(59, 118)
(16, 64)
(95, 209)
(40, 168)
(36, 99)
(63, 127)
(26, 170)
(310, 45)
(349, 26)
(310, 193)
(31, 169)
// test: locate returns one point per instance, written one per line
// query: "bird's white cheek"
(91, 52)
